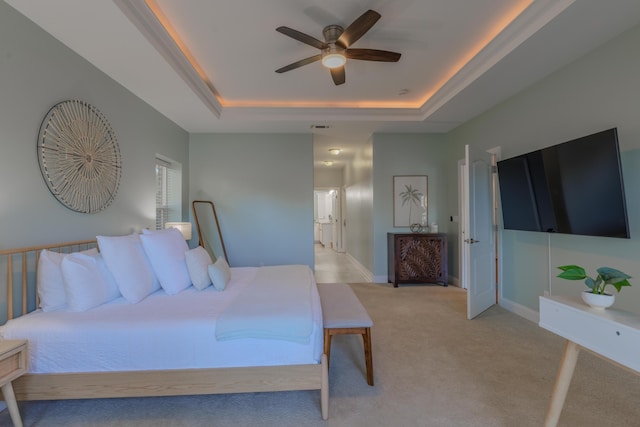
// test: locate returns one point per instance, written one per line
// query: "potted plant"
(596, 296)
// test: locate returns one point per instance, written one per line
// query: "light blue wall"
(358, 179)
(405, 154)
(262, 186)
(597, 92)
(36, 72)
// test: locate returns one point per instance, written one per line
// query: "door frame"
(497, 221)
(463, 212)
(343, 219)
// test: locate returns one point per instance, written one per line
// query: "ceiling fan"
(336, 48)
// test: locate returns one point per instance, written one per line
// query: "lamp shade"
(333, 57)
(183, 227)
(333, 60)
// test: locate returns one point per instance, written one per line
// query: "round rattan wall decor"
(79, 156)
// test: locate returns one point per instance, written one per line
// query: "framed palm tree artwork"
(409, 200)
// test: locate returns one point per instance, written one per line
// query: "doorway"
(332, 263)
(327, 218)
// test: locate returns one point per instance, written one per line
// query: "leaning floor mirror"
(208, 228)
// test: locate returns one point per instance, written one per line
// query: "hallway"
(336, 267)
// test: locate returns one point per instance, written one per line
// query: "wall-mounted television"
(573, 188)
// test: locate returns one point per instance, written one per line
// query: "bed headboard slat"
(9, 286)
(26, 280)
(24, 283)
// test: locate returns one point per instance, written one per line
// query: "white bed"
(163, 345)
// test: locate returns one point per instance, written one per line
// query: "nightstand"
(13, 363)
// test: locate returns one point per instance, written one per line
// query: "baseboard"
(364, 270)
(453, 280)
(520, 310)
(380, 279)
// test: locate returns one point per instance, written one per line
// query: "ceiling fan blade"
(338, 75)
(358, 28)
(302, 37)
(299, 64)
(372, 55)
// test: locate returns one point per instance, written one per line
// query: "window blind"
(168, 192)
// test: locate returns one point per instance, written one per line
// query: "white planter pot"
(600, 301)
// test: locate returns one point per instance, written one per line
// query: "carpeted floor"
(432, 368)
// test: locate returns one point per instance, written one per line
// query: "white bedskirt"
(161, 332)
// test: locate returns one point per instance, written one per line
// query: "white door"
(478, 232)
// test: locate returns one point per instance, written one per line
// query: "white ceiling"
(210, 65)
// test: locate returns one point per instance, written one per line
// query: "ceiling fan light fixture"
(336, 47)
(334, 151)
(333, 57)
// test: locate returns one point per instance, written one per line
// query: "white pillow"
(87, 281)
(220, 273)
(198, 260)
(129, 265)
(49, 283)
(165, 249)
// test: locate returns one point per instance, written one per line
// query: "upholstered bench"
(342, 313)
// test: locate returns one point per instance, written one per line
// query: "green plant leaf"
(611, 275)
(590, 284)
(568, 267)
(620, 284)
(572, 272)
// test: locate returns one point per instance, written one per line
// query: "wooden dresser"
(417, 258)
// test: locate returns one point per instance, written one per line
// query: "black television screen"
(573, 188)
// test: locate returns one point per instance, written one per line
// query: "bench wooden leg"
(327, 345)
(368, 354)
(366, 340)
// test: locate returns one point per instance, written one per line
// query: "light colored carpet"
(432, 368)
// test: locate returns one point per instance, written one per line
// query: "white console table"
(612, 334)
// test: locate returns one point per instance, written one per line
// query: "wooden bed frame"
(142, 383)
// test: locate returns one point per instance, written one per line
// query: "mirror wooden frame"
(201, 240)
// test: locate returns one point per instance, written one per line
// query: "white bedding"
(160, 332)
(275, 305)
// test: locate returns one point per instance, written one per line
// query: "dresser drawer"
(13, 359)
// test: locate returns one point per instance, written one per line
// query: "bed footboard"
(176, 382)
